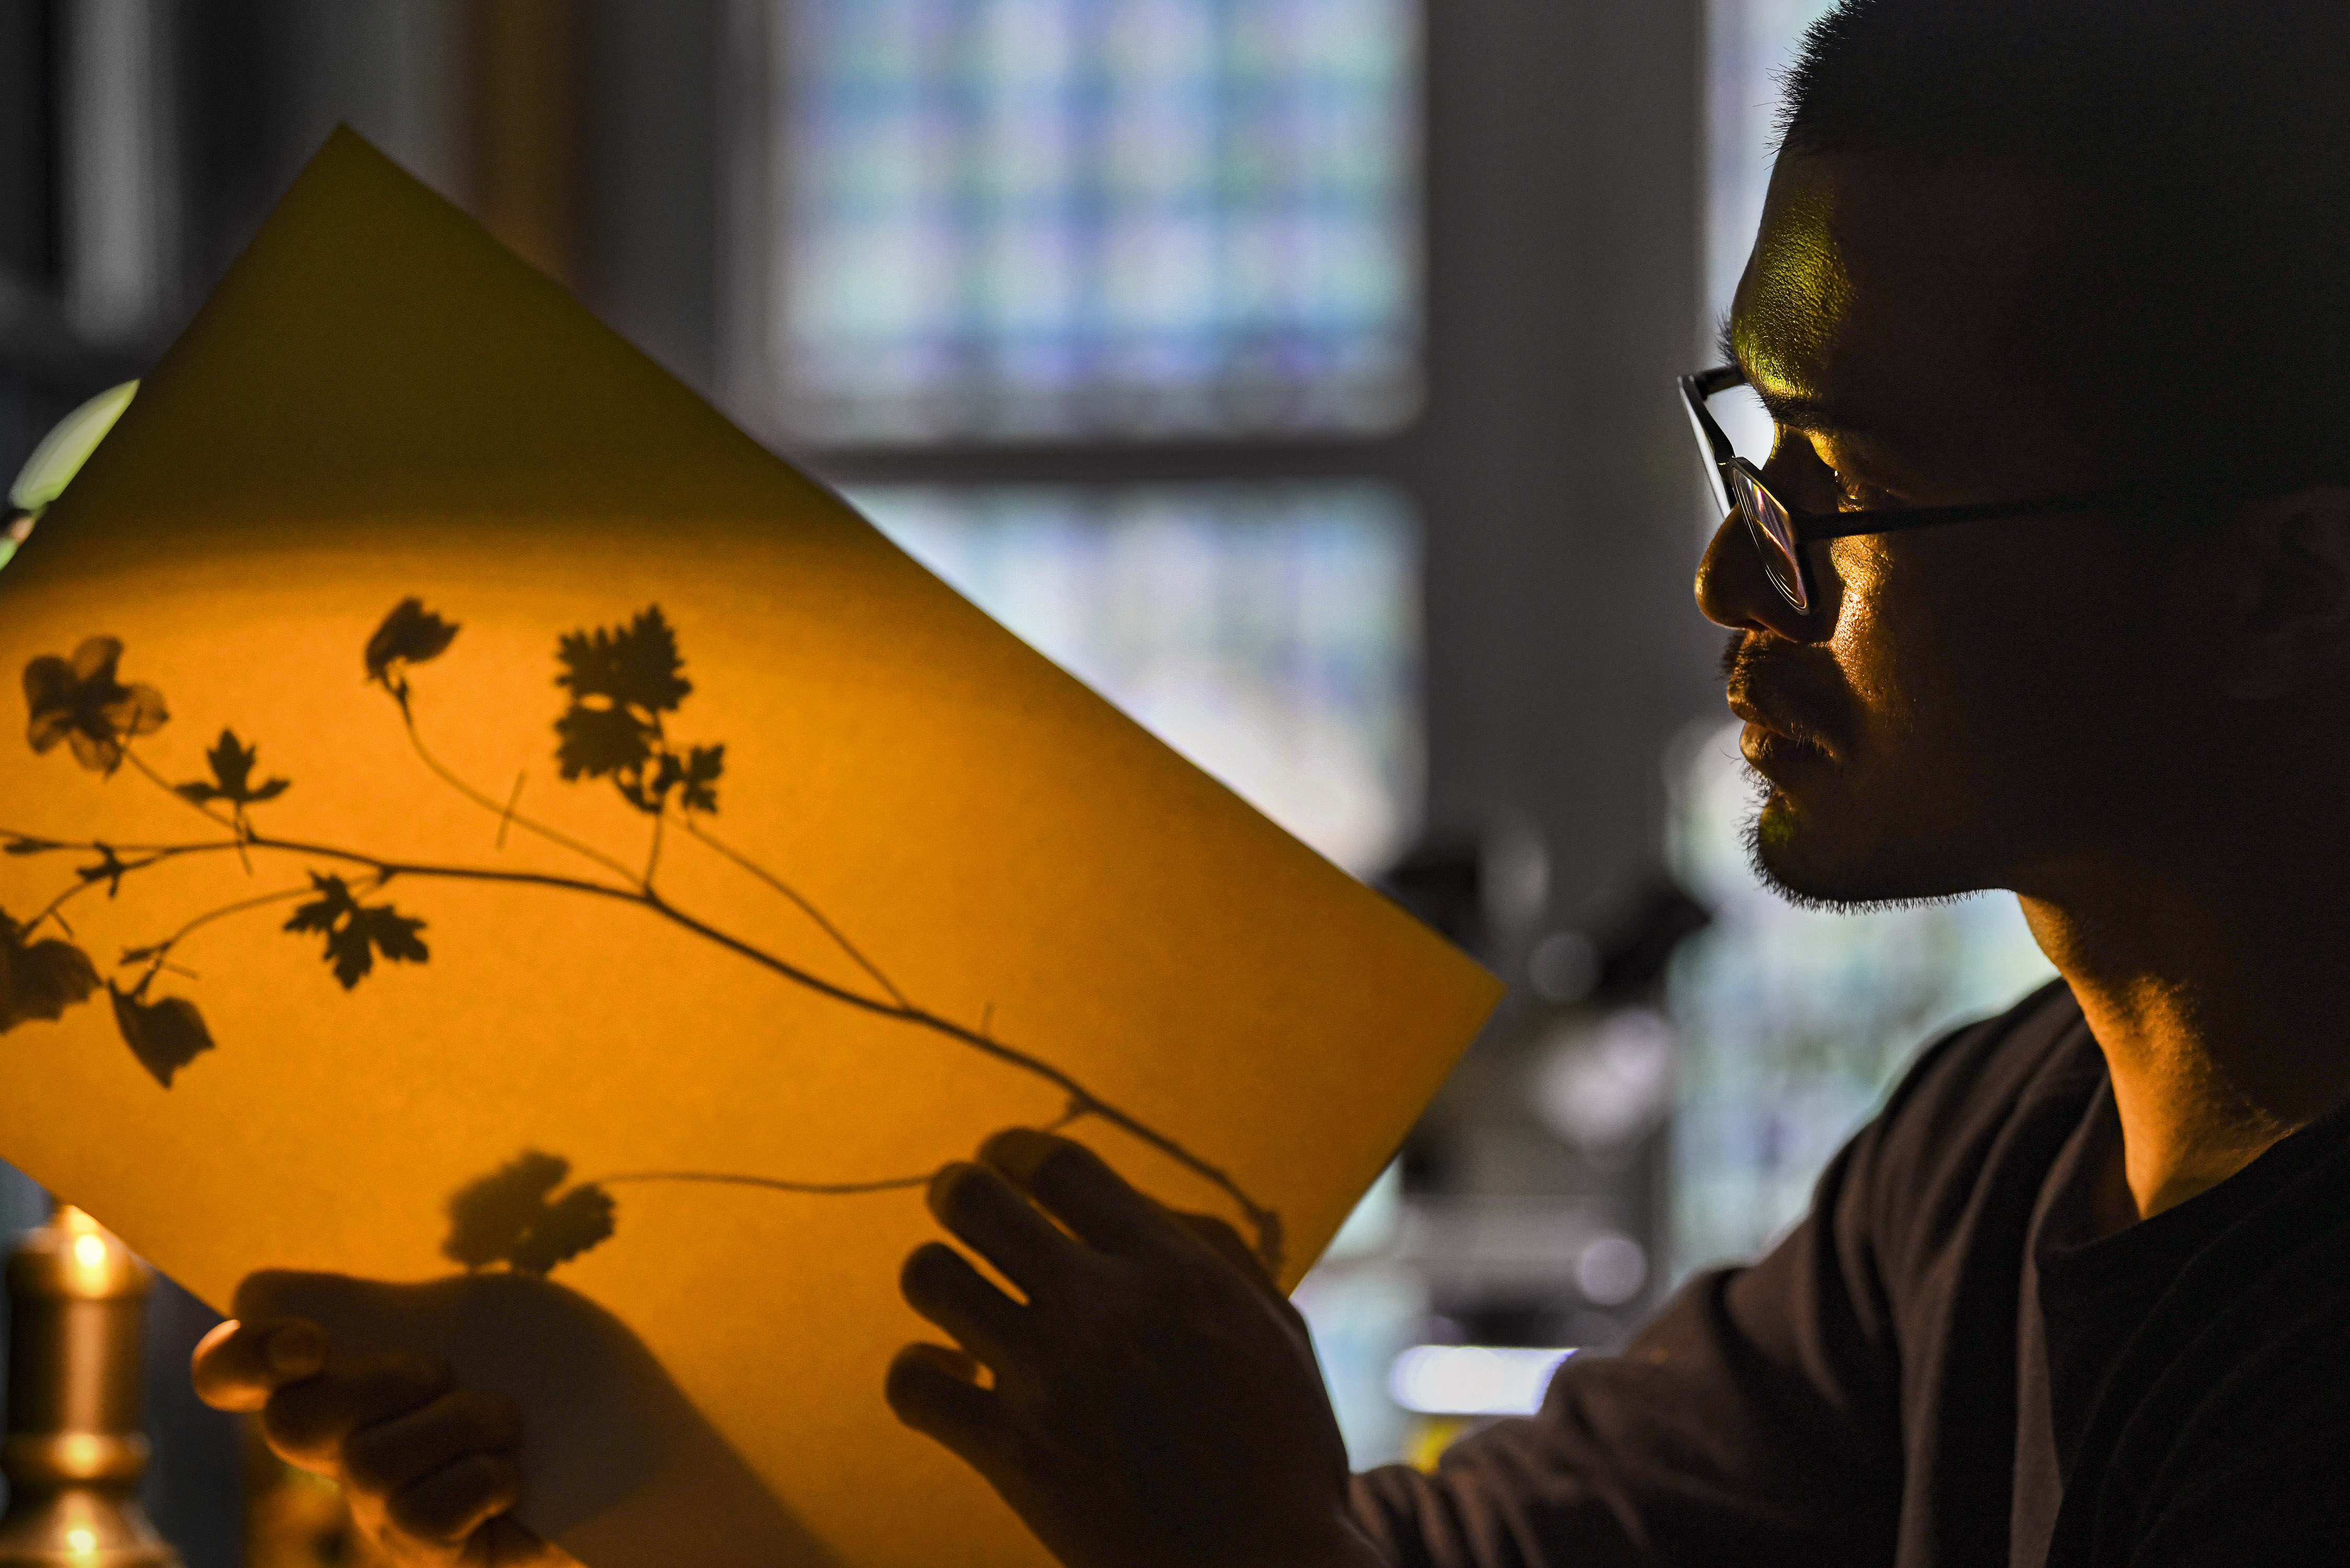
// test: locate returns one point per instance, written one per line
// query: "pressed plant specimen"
(625, 685)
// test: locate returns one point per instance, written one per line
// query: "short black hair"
(2195, 308)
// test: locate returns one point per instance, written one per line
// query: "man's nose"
(1734, 591)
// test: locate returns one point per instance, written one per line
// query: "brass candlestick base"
(75, 1450)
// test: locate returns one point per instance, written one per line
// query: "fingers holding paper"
(238, 1366)
(429, 1468)
(1151, 1400)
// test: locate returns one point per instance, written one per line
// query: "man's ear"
(2282, 576)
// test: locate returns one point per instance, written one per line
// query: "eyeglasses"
(1781, 532)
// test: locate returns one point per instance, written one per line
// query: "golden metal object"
(75, 1450)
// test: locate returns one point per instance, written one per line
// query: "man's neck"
(2221, 1011)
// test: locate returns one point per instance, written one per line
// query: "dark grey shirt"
(1944, 1365)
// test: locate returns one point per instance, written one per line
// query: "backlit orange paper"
(482, 823)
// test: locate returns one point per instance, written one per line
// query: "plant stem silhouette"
(615, 731)
(778, 1184)
(155, 956)
(235, 823)
(1082, 1101)
(773, 1184)
(652, 854)
(110, 871)
(746, 862)
(507, 815)
(505, 818)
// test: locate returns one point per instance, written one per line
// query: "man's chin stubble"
(1799, 863)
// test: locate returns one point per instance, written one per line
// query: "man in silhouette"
(2044, 586)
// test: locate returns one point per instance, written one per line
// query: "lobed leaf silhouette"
(696, 775)
(635, 666)
(510, 1217)
(83, 702)
(572, 1224)
(164, 1035)
(356, 932)
(40, 980)
(232, 764)
(599, 741)
(409, 635)
(622, 680)
(700, 778)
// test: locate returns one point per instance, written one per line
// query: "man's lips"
(1766, 682)
(1777, 757)
(1774, 744)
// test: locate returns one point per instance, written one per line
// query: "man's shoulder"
(1984, 1108)
(1991, 1063)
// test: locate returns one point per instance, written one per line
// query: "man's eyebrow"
(1791, 410)
(1816, 415)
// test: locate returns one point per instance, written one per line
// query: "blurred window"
(1794, 1022)
(1269, 633)
(1109, 311)
(1055, 218)
(1748, 44)
(1015, 250)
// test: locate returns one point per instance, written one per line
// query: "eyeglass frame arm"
(1809, 526)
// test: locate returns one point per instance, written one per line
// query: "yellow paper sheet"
(944, 888)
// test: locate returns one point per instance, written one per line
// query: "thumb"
(239, 1364)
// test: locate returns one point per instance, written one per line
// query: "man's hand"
(429, 1467)
(1153, 1404)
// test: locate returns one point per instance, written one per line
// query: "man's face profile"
(1966, 707)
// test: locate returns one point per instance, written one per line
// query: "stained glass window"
(1027, 218)
(1268, 632)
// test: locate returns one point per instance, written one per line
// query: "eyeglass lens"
(1775, 535)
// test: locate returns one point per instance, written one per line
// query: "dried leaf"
(231, 763)
(409, 635)
(164, 1035)
(357, 932)
(40, 980)
(636, 665)
(506, 1217)
(83, 702)
(600, 742)
(703, 766)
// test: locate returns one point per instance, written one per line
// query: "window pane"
(1065, 217)
(1270, 633)
(1794, 1022)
